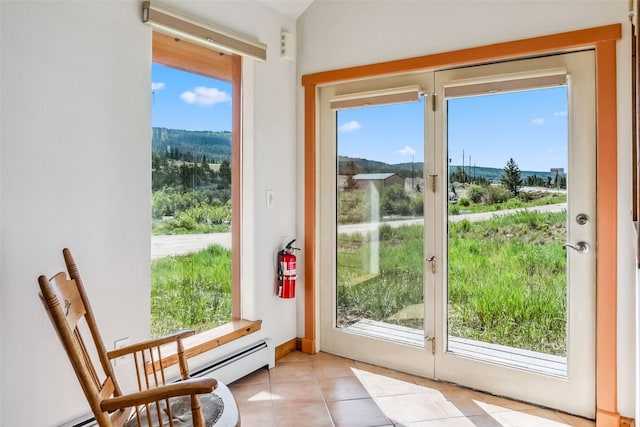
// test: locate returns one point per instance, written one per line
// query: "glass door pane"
(507, 281)
(380, 224)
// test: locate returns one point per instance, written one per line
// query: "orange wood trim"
(603, 39)
(550, 43)
(635, 111)
(309, 339)
(191, 57)
(627, 422)
(207, 340)
(236, 185)
(285, 348)
(607, 419)
(635, 114)
(607, 196)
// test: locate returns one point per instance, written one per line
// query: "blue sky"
(530, 127)
(189, 101)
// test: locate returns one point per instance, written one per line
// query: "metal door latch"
(432, 260)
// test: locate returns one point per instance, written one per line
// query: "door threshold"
(534, 361)
(528, 360)
(387, 331)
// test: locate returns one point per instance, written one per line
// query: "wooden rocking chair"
(158, 402)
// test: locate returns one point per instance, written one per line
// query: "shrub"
(527, 196)
(488, 194)
(476, 193)
(198, 219)
(395, 201)
(513, 203)
(496, 194)
(417, 205)
(353, 207)
(463, 201)
(170, 201)
(385, 232)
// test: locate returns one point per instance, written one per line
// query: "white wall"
(75, 171)
(336, 34)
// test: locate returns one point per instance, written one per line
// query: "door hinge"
(433, 182)
(433, 343)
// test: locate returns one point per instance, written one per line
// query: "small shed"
(378, 180)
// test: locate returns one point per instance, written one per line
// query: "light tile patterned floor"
(324, 390)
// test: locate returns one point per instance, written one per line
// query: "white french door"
(371, 223)
(539, 354)
(474, 263)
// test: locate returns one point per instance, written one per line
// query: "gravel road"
(163, 246)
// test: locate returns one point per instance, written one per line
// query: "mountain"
(372, 166)
(405, 169)
(189, 144)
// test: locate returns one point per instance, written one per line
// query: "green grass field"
(191, 291)
(507, 280)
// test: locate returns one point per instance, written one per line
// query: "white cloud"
(560, 113)
(350, 126)
(406, 151)
(205, 96)
(157, 85)
(538, 121)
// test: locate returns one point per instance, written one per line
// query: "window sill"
(208, 340)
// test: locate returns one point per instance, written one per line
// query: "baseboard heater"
(227, 369)
(239, 363)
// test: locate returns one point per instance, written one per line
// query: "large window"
(195, 186)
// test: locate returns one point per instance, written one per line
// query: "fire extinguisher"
(287, 271)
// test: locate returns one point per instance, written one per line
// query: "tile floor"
(324, 390)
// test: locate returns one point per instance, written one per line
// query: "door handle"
(582, 247)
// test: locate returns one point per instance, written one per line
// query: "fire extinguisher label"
(288, 268)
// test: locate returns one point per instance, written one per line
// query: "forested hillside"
(188, 145)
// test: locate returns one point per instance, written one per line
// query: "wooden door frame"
(603, 41)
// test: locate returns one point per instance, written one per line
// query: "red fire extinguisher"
(287, 271)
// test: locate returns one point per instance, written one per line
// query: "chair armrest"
(182, 388)
(144, 345)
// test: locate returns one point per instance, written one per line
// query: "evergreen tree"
(224, 174)
(511, 177)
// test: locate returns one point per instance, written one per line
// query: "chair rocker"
(197, 402)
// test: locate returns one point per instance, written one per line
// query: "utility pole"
(463, 177)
